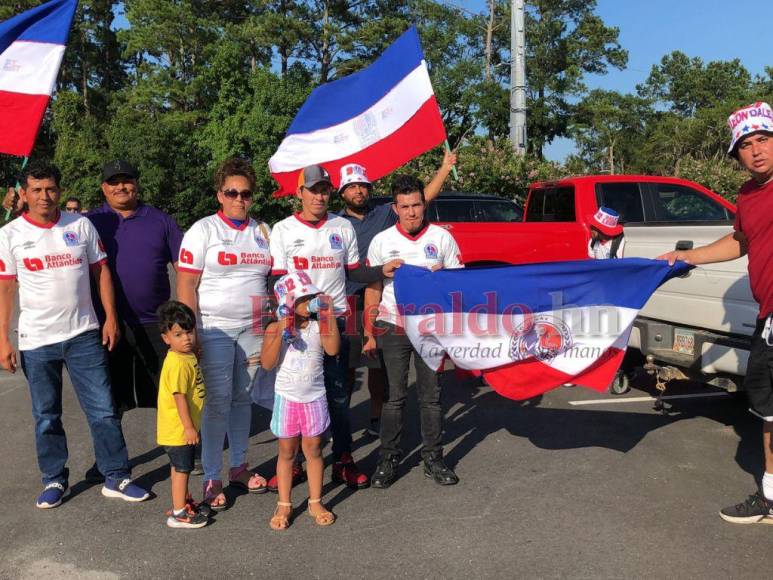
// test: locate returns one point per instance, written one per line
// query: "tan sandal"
(280, 522)
(326, 518)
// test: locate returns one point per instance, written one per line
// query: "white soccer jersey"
(51, 263)
(430, 246)
(324, 250)
(234, 264)
(299, 377)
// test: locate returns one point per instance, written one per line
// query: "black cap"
(118, 167)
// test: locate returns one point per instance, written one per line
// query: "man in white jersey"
(50, 253)
(418, 243)
(324, 246)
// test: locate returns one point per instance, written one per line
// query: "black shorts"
(758, 383)
(181, 457)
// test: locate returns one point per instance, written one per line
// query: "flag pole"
(453, 168)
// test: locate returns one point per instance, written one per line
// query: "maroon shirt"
(754, 219)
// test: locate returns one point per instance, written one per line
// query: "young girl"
(606, 235)
(298, 342)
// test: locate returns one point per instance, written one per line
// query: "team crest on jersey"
(336, 243)
(262, 243)
(430, 251)
(543, 337)
(70, 238)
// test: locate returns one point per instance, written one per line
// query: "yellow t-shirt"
(180, 374)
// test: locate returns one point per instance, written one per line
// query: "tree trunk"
(283, 55)
(84, 71)
(324, 69)
(611, 154)
(489, 38)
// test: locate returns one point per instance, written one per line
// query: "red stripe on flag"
(421, 133)
(20, 119)
(527, 379)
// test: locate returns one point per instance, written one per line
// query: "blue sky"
(650, 29)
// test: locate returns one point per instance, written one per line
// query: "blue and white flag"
(380, 117)
(529, 328)
(31, 50)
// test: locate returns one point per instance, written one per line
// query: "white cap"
(291, 287)
(353, 173)
(750, 119)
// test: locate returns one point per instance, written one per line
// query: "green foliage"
(187, 83)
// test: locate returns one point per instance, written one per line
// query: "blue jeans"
(339, 394)
(227, 406)
(86, 362)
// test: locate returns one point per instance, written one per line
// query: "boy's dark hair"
(235, 166)
(71, 198)
(406, 184)
(41, 170)
(173, 312)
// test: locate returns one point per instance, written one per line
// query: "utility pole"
(518, 76)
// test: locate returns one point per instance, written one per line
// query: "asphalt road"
(547, 490)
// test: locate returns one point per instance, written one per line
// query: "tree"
(564, 40)
(608, 128)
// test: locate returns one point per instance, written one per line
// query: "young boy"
(606, 235)
(180, 401)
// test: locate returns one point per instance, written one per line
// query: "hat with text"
(291, 287)
(353, 173)
(606, 221)
(117, 167)
(312, 175)
(748, 120)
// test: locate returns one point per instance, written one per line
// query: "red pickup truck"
(556, 216)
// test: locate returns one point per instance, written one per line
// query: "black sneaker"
(754, 510)
(436, 469)
(188, 519)
(386, 472)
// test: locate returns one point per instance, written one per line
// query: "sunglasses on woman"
(245, 195)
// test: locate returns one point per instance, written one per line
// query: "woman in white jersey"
(222, 270)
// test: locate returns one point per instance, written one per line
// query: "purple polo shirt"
(139, 249)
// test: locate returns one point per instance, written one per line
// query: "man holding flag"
(752, 145)
(380, 117)
(368, 220)
(417, 243)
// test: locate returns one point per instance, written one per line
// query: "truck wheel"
(620, 385)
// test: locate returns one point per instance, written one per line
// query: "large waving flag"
(380, 117)
(530, 328)
(31, 50)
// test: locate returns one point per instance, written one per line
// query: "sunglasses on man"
(245, 195)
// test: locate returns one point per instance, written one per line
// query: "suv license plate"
(684, 341)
